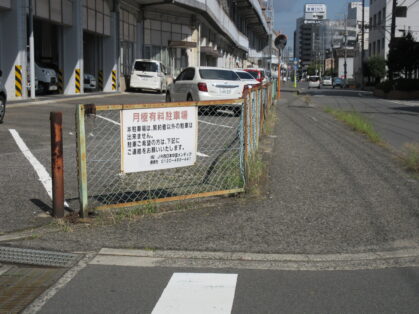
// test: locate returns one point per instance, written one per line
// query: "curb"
(310, 262)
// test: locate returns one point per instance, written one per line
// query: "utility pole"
(31, 51)
(362, 43)
(392, 35)
(345, 73)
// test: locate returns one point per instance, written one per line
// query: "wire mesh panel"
(218, 169)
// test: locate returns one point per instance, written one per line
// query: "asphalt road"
(396, 121)
(116, 289)
(23, 198)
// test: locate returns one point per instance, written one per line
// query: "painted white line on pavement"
(107, 119)
(191, 293)
(201, 154)
(40, 301)
(404, 103)
(43, 174)
(221, 125)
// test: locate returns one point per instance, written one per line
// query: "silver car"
(3, 99)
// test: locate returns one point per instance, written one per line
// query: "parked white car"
(90, 82)
(247, 78)
(148, 74)
(314, 82)
(205, 83)
(327, 81)
(46, 77)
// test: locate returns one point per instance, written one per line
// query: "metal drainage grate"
(37, 257)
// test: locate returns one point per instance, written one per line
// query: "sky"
(287, 12)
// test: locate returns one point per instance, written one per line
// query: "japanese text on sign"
(158, 138)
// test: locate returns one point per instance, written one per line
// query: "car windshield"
(245, 75)
(326, 78)
(314, 78)
(213, 74)
(253, 73)
(145, 66)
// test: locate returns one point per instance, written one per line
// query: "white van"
(148, 74)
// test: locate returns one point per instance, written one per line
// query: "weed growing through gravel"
(63, 225)
(256, 169)
(357, 122)
(410, 157)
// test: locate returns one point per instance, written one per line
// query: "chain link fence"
(227, 133)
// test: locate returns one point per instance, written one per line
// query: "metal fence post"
(81, 160)
(57, 164)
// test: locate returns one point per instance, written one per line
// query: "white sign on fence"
(158, 138)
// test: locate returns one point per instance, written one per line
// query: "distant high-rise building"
(309, 41)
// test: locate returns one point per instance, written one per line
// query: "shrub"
(407, 85)
(385, 86)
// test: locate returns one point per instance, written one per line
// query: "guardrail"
(134, 154)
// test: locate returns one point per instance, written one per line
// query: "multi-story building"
(103, 37)
(380, 24)
(309, 42)
(340, 38)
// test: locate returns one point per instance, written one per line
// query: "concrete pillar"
(13, 49)
(139, 43)
(73, 51)
(194, 54)
(111, 57)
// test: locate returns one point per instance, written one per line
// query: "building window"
(378, 47)
(373, 48)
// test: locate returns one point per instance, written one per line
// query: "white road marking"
(43, 174)
(201, 154)
(191, 293)
(404, 103)
(221, 125)
(40, 301)
(314, 119)
(107, 119)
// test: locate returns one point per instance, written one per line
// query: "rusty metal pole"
(278, 93)
(57, 164)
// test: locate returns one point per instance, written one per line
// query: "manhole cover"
(37, 257)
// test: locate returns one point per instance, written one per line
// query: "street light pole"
(392, 35)
(362, 44)
(345, 73)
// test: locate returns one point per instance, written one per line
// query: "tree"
(375, 68)
(403, 57)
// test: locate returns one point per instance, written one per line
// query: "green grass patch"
(357, 122)
(410, 157)
(255, 171)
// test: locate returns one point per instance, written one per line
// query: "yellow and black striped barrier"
(60, 82)
(113, 79)
(78, 89)
(18, 80)
(100, 80)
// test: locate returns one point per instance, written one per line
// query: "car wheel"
(42, 88)
(2, 108)
(168, 98)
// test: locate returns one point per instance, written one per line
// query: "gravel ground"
(328, 190)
